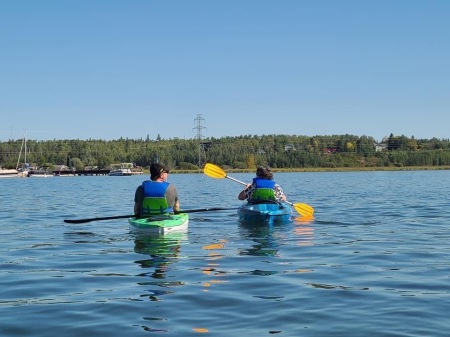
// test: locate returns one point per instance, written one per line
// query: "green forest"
(243, 152)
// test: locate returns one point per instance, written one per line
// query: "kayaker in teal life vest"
(263, 189)
(156, 196)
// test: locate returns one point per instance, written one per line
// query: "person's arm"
(138, 196)
(244, 193)
(279, 193)
(176, 206)
(137, 210)
(172, 198)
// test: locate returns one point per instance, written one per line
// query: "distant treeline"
(243, 152)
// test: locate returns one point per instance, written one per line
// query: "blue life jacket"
(155, 201)
(264, 191)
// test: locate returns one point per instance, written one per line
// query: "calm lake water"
(375, 261)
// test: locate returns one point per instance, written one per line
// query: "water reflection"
(304, 231)
(267, 238)
(213, 266)
(162, 250)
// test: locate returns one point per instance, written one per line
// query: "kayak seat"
(159, 217)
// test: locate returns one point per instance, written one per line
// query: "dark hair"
(264, 172)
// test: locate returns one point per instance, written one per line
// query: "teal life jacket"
(264, 191)
(155, 201)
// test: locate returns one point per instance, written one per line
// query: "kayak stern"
(270, 213)
(160, 224)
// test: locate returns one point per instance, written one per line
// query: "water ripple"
(373, 262)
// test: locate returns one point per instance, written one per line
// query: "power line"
(199, 127)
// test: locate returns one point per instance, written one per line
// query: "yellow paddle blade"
(214, 171)
(304, 209)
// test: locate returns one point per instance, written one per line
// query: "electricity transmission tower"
(202, 146)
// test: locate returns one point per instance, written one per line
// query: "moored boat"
(160, 224)
(265, 213)
(17, 172)
(8, 173)
(123, 169)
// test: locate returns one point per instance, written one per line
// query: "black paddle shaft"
(130, 216)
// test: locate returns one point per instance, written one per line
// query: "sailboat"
(23, 171)
(17, 172)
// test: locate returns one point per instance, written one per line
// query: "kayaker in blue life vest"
(156, 196)
(263, 189)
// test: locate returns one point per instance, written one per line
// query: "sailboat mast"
(20, 153)
(25, 157)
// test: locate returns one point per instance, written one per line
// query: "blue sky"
(105, 69)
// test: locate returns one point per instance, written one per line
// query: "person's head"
(157, 170)
(264, 172)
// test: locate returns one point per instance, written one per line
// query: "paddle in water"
(215, 171)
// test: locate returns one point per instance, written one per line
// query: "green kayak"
(160, 224)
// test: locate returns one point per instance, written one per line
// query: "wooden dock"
(81, 173)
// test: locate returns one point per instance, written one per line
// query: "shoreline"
(327, 169)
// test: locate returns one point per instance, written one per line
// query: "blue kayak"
(270, 213)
